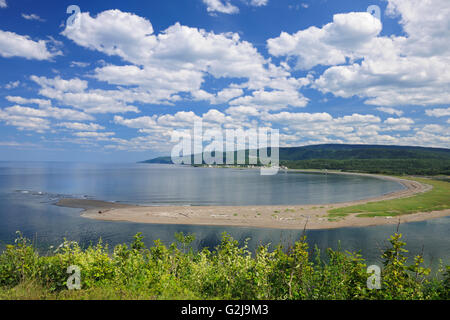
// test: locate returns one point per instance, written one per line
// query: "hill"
(348, 151)
(162, 160)
(361, 158)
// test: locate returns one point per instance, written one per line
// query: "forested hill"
(362, 158)
(164, 160)
(346, 152)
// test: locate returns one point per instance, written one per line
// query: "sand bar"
(266, 216)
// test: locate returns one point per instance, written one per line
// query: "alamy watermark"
(374, 281)
(74, 280)
(375, 11)
(237, 146)
(73, 20)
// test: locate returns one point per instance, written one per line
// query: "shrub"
(229, 271)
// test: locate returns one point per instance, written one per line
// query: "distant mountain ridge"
(349, 151)
(397, 160)
(162, 160)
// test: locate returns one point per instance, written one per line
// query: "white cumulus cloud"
(439, 112)
(220, 6)
(15, 45)
(161, 66)
(410, 69)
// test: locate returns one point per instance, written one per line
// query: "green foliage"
(446, 284)
(18, 262)
(229, 271)
(399, 280)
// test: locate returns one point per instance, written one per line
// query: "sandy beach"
(273, 216)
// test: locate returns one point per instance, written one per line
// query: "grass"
(30, 290)
(436, 199)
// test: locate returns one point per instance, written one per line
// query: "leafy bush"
(229, 271)
(18, 263)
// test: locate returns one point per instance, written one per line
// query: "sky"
(114, 81)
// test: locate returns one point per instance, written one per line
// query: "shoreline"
(294, 217)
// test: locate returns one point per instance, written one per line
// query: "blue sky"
(115, 84)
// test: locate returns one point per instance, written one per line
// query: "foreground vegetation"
(227, 272)
(434, 200)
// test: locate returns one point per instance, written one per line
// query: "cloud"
(49, 112)
(297, 118)
(298, 6)
(399, 124)
(73, 92)
(32, 17)
(139, 144)
(3, 4)
(215, 116)
(137, 123)
(297, 128)
(115, 33)
(37, 119)
(95, 135)
(17, 144)
(315, 128)
(222, 7)
(178, 60)
(346, 37)
(411, 69)
(25, 122)
(426, 25)
(177, 49)
(20, 100)
(14, 45)
(272, 100)
(225, 6)
(242, 111)
(390, 111)
(359, 118)
(405, 81)
(443, 112)
(179, 119)
(58, 84)
(220, 97)
(243, 87)
(435, 128)
(165, 123)
(12, 85)
(79, 64)
(259, 3)
(80, 126)
(162, 87)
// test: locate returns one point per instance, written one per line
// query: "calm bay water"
(29, 190)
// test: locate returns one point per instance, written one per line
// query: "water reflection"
(159, 184)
